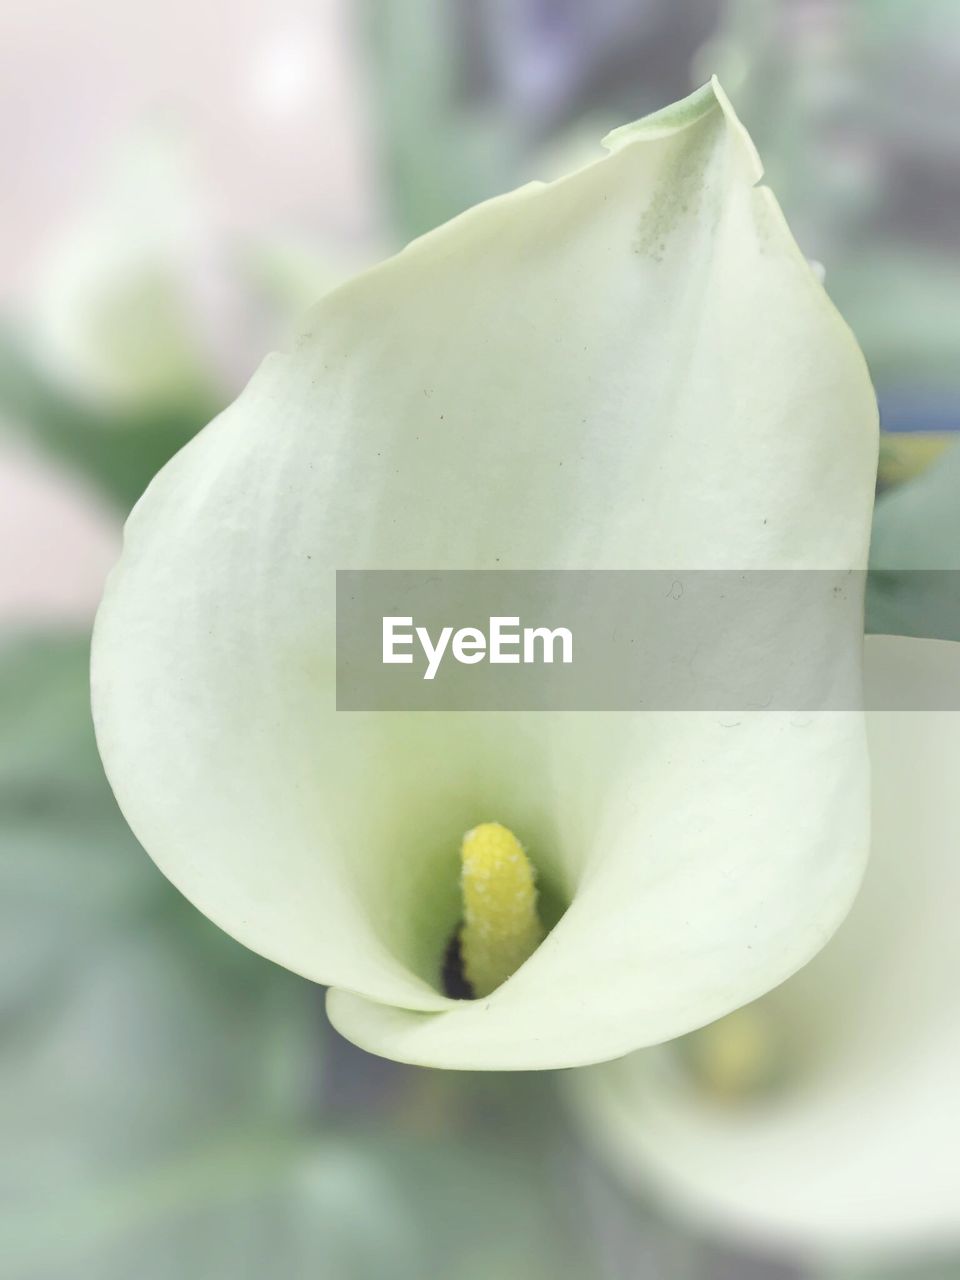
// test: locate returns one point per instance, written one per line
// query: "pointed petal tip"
(667, 120)
(677, 116)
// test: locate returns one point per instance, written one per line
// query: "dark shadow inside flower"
(452, 977)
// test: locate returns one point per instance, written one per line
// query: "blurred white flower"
(128, 307)
(823, 1119)
(145, 302)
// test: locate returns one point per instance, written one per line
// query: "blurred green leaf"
(337, 1207)
(919, 1268)
(121, 454)
(913, 341)
(914, 583)
(67, 861)
(440, 152)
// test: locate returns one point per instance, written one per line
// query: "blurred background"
(180, 181)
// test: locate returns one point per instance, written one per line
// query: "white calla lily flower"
(823, 1118)
(630, 368)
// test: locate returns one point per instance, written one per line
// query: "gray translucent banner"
(610, 641)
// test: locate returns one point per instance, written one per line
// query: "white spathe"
(630, 368)
(857, 1151)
